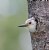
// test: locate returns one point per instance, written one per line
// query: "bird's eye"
(29, 22)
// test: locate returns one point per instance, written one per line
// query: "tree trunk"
(40, 9)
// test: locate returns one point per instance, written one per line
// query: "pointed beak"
(24, 25)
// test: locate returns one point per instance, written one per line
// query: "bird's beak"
(24, 25)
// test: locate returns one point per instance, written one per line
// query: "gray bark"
(39, 9)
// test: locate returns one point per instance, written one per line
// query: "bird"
(39, 29)
(31, 24)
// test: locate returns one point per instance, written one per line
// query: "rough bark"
(40, 10)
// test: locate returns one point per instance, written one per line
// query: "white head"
(30, 24)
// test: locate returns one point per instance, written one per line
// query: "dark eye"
(29, 22)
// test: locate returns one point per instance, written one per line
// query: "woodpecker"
(31, 24)
(38, 28)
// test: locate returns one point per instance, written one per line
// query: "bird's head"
(30, 24)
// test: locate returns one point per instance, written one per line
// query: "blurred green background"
(12, 14)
